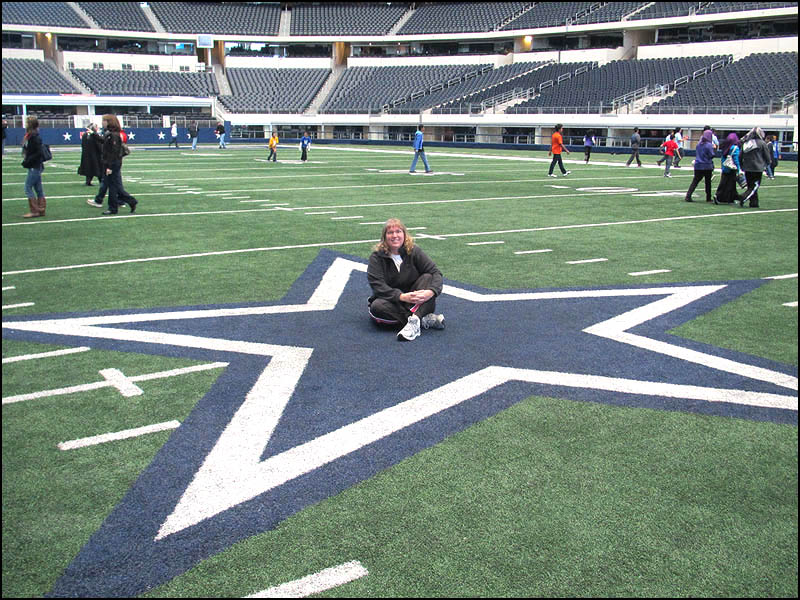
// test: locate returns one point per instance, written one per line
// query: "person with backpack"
(33, 159)
(755, 158)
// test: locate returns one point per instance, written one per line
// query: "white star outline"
(233, 472)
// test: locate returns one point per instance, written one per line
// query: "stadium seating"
(250, 18)
(30, 76)
(46, 14)
(147, 83)
(520, 77)
(366, 89)
(328, 18)
(453, 17)
(548, 14)
(755, 83)
(272, 90)
(587, 91)
(117, 15)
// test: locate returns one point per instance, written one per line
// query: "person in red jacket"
(671, 150)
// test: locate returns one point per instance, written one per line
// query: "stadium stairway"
(222, 81)
(326, 88)
(402, 21)
(148, 12)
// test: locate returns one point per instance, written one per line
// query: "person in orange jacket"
(273, 148)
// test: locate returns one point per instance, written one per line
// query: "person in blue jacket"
(305, 144)
(703, 165)
(726, 190)
(419, 152)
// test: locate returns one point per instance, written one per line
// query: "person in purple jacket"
(703, 165)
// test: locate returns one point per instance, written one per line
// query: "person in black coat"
(405, 283)
(112, 155)
(91, 151)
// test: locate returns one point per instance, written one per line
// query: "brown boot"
(33, 206)
(42, 206)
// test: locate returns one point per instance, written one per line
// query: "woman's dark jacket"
(32, 152)
(388, 283)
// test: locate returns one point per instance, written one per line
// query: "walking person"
(636, 141)
(672, 135)
(679, 154)
(221, 135)
(556, 148)
(731, 167)
(755, 158)
(703, 166)
(419, 151)
(173, 132)
(33, 160)
(405, 283)
(305, 144)
(775, 153)
(113, 152)
(193, 131)
(273, 148)
(91, 147)
(670, 150)
(588, 144)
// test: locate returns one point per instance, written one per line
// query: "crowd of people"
(743, 163)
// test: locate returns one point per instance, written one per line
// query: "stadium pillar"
(341, 51)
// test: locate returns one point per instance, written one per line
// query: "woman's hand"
(417, 297)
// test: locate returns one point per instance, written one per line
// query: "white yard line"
(653, 272)
(116, 380)
(373, 240)
(13, 359)
(586, 260)
(118, 435)
(318, 582)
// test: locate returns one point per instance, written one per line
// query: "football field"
(196, 404)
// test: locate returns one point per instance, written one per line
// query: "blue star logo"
(316, 398)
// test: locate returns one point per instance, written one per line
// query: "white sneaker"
(411, 330)
(567, 173)
(552, 175)
(433, 321)
(91, 202)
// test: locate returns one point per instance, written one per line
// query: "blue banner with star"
(137, 135)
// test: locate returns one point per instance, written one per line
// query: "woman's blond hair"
(408, 244)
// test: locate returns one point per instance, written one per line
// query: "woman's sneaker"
(433, 321)
(411, 330)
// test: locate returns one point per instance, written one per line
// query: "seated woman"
(404, 282)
